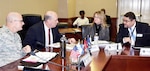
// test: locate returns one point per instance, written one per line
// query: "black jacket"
(36, 36)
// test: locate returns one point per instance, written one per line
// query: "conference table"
(98, 62)
(101, 62)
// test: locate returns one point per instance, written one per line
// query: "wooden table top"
(101, 62)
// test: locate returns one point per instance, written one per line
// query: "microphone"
(33, 52)
(39, 44)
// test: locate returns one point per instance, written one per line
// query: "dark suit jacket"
(108, 20)
(35, 36)
(123, 32)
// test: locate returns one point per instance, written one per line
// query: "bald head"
(14, 21)
(51, 19)
(12, 16)
(49, 15)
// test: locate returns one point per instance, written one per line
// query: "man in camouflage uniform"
(10, 42)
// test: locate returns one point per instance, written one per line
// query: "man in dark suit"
(44, 33)
(130, 29)
(108, 19)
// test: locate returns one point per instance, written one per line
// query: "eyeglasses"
(19, 20)
(126, 21)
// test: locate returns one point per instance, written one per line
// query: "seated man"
(44, 33)
(10, 43)
(130, 29)
(82, 20)
(108, 18)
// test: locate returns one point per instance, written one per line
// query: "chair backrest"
(30, 19)
(84, 29)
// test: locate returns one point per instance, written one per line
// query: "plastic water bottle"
(63, 40)
(96, 37)
(131, 51)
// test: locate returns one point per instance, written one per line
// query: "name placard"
(145, 52)
(86, 59)
(94, 48)
(114, 46)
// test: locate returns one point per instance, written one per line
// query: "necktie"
(132, 35)
(49, 38)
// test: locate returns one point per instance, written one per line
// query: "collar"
(45, 25)
(133, 26)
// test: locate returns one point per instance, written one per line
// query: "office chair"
(29, 20)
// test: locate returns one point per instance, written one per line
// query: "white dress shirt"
(132, 34)
(46, 35)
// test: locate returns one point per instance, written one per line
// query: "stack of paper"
(41, 57)
(101, 43)
(57, 45)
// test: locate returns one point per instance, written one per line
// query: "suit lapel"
(137, 28)
(42, 33)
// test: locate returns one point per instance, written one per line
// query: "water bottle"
(131, 51)
(96, 37)
(63, 46)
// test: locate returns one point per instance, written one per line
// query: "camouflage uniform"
(10, 46)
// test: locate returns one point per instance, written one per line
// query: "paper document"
(42, 57)
(101, 43)
(57, 45)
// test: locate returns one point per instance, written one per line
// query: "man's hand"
(126, 39)
(27, 49)
(71, 40)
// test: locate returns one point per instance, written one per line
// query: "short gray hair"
(46, 17)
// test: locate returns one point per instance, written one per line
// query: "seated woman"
(99, 26)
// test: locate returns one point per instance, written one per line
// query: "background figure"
(130, 28)
(10, 42)
(108, 21)
(108, 18)
(82, 20)
(44, 33)
(99, 26)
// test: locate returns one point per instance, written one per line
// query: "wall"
(62, 8)
(26, 7)
(90, 6)
(71, 8)
(66, 9)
